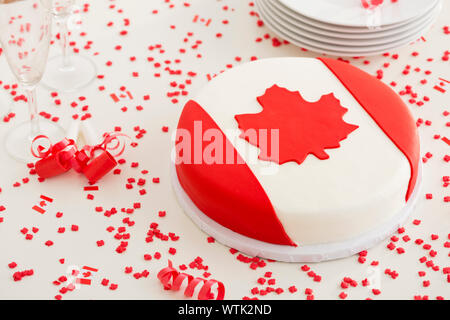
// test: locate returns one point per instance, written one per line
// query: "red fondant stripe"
(230, 194)
(385, 107)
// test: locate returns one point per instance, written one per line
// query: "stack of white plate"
(345, 27)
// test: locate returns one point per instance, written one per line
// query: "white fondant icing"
(304, 253)
(359, 187)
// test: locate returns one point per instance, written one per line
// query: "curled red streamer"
(173, 280)
(55, 159)
(100, 160)
(105, 145)
(92, 161)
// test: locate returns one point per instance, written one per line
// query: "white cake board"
(308, 253)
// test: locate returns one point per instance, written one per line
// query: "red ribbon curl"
(92, 161)
(56, 159)
(173, 280)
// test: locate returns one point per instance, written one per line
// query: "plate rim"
(348, 35)
(287, 4)
(338, 53)
(406, 35)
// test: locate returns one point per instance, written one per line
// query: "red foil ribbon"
(173, 280)
(99, 166)
(92, 161)
(56, 159)
(101, 161)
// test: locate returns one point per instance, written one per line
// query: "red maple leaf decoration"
(303, 127)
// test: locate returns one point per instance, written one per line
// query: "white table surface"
(153, 153)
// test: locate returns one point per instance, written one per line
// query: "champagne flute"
(66, 72)
(25, 32)
(5, 106)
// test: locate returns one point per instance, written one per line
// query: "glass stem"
(64, 34)
(32, 107)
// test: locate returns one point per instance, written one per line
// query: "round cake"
(297, 159)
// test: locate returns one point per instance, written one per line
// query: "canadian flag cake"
(297, 159)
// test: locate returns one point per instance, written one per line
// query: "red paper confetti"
(38, 209)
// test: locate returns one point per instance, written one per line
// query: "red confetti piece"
(17, 276)
(105, 282)
(376, 291)
(90, 269)
(447, 141)
(38, 209)
(439, 89)
(46, 198)
(113, 286)
(114, 97)
(84, 281)
(91, 188)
